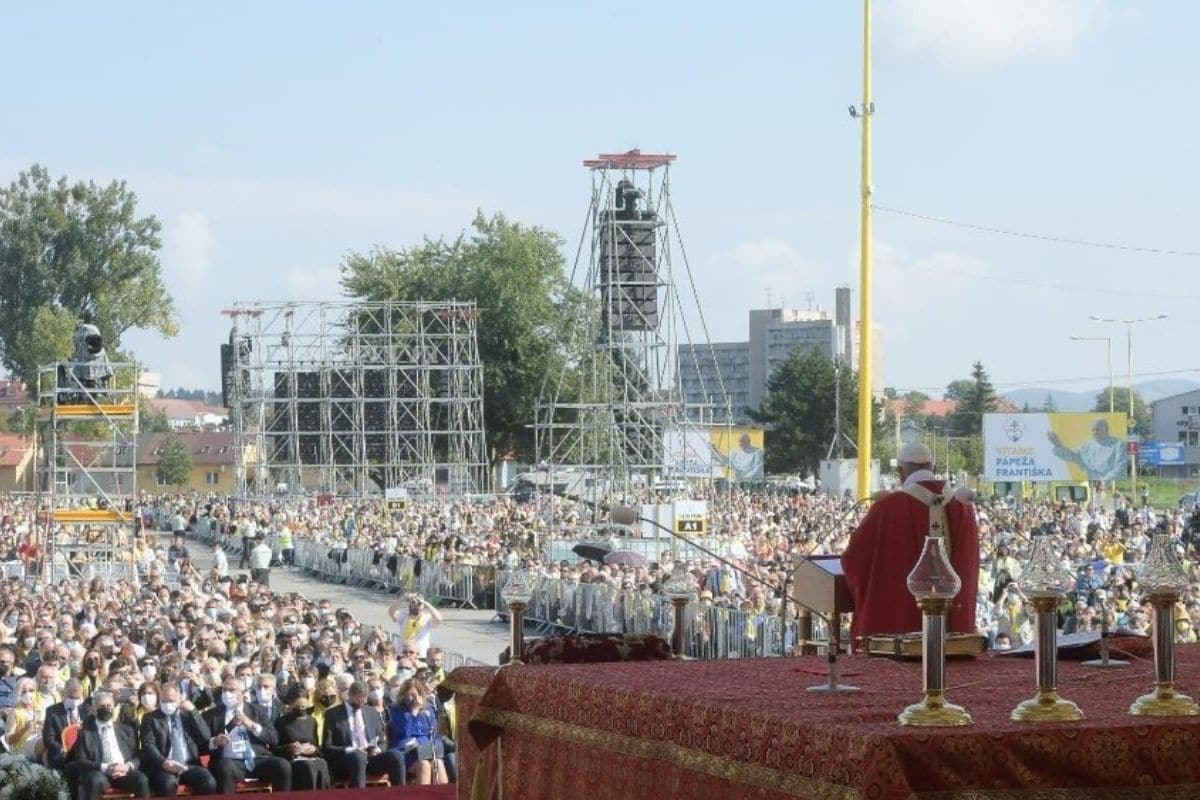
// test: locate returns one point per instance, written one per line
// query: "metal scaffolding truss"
(355, 398)
(87, 468)
(613, 417)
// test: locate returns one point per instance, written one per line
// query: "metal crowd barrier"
(559, 550)
(466, 585)
(711, 631)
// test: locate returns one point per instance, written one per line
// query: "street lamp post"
(1108, 350)
(1129, 323)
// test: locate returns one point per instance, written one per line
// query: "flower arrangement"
(21, 779)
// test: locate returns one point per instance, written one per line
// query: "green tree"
(973, 398)
(70, 248)
(515, 274)
(174, 461)
(799, 411)
(1141, 413)
(914, 407)
(1048, 405)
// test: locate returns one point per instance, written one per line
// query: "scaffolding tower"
(617, 418)
(87, 431)
(353, 399)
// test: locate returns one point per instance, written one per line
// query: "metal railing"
(710, 632)
(467, 585)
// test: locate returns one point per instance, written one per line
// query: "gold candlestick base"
(1047, 707)
(934, 712)
(1164, 701)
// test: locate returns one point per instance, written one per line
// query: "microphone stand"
(628, 516)
(1104, 662)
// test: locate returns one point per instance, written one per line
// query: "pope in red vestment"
(887, 544)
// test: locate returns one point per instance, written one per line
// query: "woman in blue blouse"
(415, 734)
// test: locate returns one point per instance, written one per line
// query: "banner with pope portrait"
(1087, 446)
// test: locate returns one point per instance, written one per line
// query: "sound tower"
(628, 263)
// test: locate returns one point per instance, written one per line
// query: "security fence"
(711, 631)
(466, 585)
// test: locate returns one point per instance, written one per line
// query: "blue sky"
(273, 137)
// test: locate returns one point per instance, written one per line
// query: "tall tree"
(973, 397)
(1141, 413)
(174, 461)
(799, 410)
(1048, 405)
(515, 274)
(71, 248)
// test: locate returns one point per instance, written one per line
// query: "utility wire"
(1061, 287)
(1038, 236)
(1053, 381)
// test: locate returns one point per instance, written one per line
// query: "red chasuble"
(883, 551)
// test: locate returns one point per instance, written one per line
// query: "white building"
(746, 367)
(1177, 419)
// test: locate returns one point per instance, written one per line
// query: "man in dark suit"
(241, 743)
(266, 699)
(105, 754)
(173, 739)
(71, 711)
(355, 743)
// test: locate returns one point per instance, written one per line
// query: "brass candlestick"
(1047, 706)
(1162, 577)
(934, 583)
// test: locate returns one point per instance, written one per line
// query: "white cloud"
(320, 283)
(988, 33)
(760, 266)
(189, 250)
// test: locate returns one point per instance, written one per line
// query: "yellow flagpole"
(865, 350)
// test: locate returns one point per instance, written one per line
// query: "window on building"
(1191, 438)
(212, 478)
(1185, 410)
(158, 480)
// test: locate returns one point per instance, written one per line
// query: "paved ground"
(471, 633)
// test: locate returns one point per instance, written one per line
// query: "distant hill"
(1084, 400)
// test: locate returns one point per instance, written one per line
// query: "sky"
(272, 138)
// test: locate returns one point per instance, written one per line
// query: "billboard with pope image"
(1054, 447)
(735, 454)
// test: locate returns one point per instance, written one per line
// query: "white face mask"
(70, 703)
(170, 708)
(229, 699)
(149, 671)
(309, 683)
(266, 695)
(150, 702)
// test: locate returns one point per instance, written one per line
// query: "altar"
(704, 730)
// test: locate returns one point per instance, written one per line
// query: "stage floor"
(734, 729)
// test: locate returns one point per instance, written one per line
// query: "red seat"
(248, 786)
(372, 780)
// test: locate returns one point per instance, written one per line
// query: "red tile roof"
(13, 449)
(184, 409)
(932, 408)
(208, 447)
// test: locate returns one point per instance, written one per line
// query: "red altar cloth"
(442, 792)
(748, 729)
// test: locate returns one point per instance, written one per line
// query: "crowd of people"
(201, 679)
(205, 678)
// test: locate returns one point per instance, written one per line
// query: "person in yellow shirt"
(24, 725)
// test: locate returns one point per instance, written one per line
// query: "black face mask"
(302, 712)
(4, 668)
(104, 714)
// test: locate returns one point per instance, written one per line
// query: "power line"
(1038, 236)
(1061, 287)
(1053, 381)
